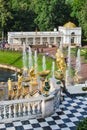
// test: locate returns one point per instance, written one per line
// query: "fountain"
(53, 69)
(69, 60)
(35, 61)
(77, 76)
(78, 61)
(30, 61)
(24, 55)
(31, 96)
(44, 63)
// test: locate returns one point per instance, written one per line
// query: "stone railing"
(29, 108)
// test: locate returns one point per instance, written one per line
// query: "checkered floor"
(71, 111)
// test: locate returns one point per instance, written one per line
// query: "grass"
(11, 58)
(15, 59)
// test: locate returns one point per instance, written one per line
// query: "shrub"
(82, 125)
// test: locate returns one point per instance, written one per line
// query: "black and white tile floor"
(71, 111)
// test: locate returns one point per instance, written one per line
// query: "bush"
(82, 125)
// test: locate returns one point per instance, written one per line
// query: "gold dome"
(69, 25)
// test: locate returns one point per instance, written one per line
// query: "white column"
(9, 40)
(26, 41)
(55, 41)
(33, 40)
(48, 40)
(41, 40)
(20, 41)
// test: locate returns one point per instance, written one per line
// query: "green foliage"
(78, 13)
(50, 13)
(82, 125)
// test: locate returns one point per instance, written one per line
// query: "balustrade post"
(10, 111)
(4, 112)
(38, 107)
(24, 110)
(19, 110)
(33, 109)
(0, 114)
(29, 109)
(15, 110)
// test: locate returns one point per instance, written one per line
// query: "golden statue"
(20, 81)
(60, 61)
(32, 75)
(10, 92)
(9, 84)
(77, 78)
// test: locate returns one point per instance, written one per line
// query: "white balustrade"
(27, 108)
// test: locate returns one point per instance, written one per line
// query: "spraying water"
(53, 69)
(69, 57)
(35, 61)
(30, 62)
(44, 63)
(61, 47)
(69, 60)
(78, 61)
(24, 55)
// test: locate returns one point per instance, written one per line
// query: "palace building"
(68, 34)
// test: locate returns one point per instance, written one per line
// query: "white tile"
(59, 121)
(2, 126)
(17, 123)
(73, 119)
(10, 128)
(54, 127)
(42, 124)
(33, 121)
(28, 126)
(70, 124)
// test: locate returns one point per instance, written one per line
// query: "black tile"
(56, 117)
(74, 111)
(73, 128)
(25, 122)
(3, 129)
(19, 128)
(46, 128)
(66, 120)
(9, 125)
(35, 125)
(51, 122)
(41, 120)
(62, 125)
(70, 115)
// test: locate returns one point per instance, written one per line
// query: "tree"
(78, 13)
(23, 17)
(83, 18)
(5, 15)
(50, 13)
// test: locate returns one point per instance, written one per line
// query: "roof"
(69, 25)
